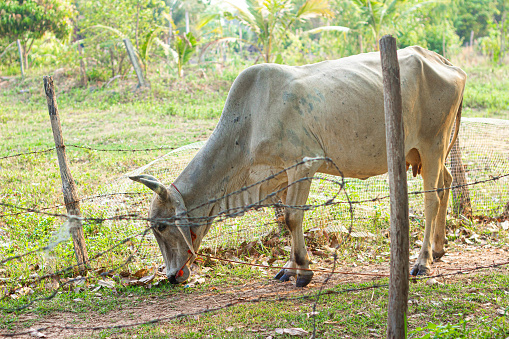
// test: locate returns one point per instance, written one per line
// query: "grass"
(486, 92)
(173, 113)
(468, 305)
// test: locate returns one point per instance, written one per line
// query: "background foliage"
(88, 35)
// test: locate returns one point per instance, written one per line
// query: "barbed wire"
(149, 149)
(232, 212)
(239, 301)
(227, 212)
(27, 153)
(79, 200)
(265, 298)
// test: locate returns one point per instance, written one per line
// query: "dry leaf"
(141, 273)
(431, 282)
(295, 331)
(147, 279)
(33, 267)
(37, 334)
(108, 283)
(501, 311)
(25, 291)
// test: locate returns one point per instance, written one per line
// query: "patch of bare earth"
(149, 308)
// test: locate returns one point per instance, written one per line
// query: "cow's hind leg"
(432, 176)
(439, 229)
(297, 195)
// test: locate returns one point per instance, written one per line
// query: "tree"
(503, 6)
(103, 25)
(378, 13)
(474, 15)
(271, 19)
(29, 20)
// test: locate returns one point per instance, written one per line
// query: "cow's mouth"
(181, 276)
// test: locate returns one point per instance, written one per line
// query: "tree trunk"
(112, 59)
(170, 28)
(443, 43)
(502, 36)
(137, 25)
(187, 21)
(20, 52)
(83, 70)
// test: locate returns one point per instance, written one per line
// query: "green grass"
(172, 113)
(486, 93)
(468, 304)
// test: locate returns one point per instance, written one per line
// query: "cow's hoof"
(284, 275)
(279, 274)
(303, 280)
(419, 269)
(438, 255)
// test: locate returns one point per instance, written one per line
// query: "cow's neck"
(213, 173)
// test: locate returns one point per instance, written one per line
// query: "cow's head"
(178, 239)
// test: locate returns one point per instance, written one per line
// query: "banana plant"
(185, 46)
(378, 13)
(270, 20)
(147, 42)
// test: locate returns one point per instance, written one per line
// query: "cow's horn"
(152, 183)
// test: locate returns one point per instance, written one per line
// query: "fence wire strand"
(264, 202)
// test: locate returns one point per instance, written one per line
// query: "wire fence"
(119, 235)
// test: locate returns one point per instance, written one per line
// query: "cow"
(275, 116)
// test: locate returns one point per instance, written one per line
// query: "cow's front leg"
(298, 265)
(296, 197)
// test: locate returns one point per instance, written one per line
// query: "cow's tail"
(456, 129)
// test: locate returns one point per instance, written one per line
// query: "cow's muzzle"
(181, 276)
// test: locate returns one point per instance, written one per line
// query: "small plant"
(185, 45)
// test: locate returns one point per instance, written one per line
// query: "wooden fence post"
(20, 51)
(68, 186)
(398, 283)
(134, 61)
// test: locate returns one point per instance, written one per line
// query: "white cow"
(277, 115)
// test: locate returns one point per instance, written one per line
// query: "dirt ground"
(150, 307)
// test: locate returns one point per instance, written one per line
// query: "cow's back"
(275, 115)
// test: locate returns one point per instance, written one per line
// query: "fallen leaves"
(293, 331)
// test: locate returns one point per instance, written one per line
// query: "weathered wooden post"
(20, 51)
(134, 61)
(398, 283)
(68, 186)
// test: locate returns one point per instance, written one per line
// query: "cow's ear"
(152, 183)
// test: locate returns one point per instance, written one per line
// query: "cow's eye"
(161, 227)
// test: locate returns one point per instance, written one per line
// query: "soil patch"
(137, 309)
